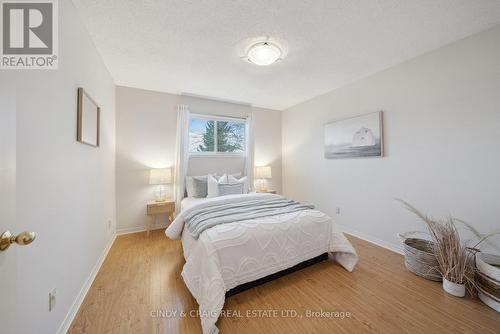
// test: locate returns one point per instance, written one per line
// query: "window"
(214, 135)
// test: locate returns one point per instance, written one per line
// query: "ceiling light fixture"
(264, 53)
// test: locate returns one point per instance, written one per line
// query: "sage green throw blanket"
(199, 220)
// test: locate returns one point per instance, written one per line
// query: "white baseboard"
(63, 329)
(397, 248)
(136, 229)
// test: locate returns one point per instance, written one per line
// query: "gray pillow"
(197, 186)
(230, 189)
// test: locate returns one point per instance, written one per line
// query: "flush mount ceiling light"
(264, 53)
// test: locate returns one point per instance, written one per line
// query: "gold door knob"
(23, 238)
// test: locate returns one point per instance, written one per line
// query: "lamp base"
(262, 186)
(160, 194)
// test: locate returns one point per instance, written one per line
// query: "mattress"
(232, 254)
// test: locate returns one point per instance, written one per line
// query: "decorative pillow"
(236, 175)
(197, 186)
(213, 184)
(230, 189)
(243, 181)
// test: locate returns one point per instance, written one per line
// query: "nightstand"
(159, 208)
(268, 191)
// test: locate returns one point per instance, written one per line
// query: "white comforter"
(228, 255)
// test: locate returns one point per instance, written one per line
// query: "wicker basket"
(420, 260)
(488, 279)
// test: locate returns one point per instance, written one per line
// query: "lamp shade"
(160, 176)
(263, 172)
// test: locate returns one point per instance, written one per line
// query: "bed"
(228, 255)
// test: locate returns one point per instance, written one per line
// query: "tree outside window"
(216, 136)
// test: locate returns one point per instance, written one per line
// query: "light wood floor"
(142, 275)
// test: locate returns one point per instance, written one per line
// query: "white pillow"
(232, 180)
(236, 175)
(213, 184)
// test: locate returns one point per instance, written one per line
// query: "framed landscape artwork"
(356, 137)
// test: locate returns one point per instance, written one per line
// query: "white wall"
(146, 126)
(442, 136)
(65, 190)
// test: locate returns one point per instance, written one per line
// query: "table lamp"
(262, 173)
(160, 177)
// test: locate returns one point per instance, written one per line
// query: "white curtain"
(249, 163)
(181, 154)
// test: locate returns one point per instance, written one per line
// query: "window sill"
(217, 155)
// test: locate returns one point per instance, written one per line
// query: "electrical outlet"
(109, 224)
(337, 211)
(52, 300)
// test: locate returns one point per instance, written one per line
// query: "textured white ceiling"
(193, 46)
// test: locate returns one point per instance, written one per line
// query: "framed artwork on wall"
(356, 137)
(88, 114)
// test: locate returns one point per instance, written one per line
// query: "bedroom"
(166, 180)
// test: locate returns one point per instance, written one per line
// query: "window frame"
(215, 153)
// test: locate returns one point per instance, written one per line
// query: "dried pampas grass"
(456, 261)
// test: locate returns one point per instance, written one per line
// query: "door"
(8, 258)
